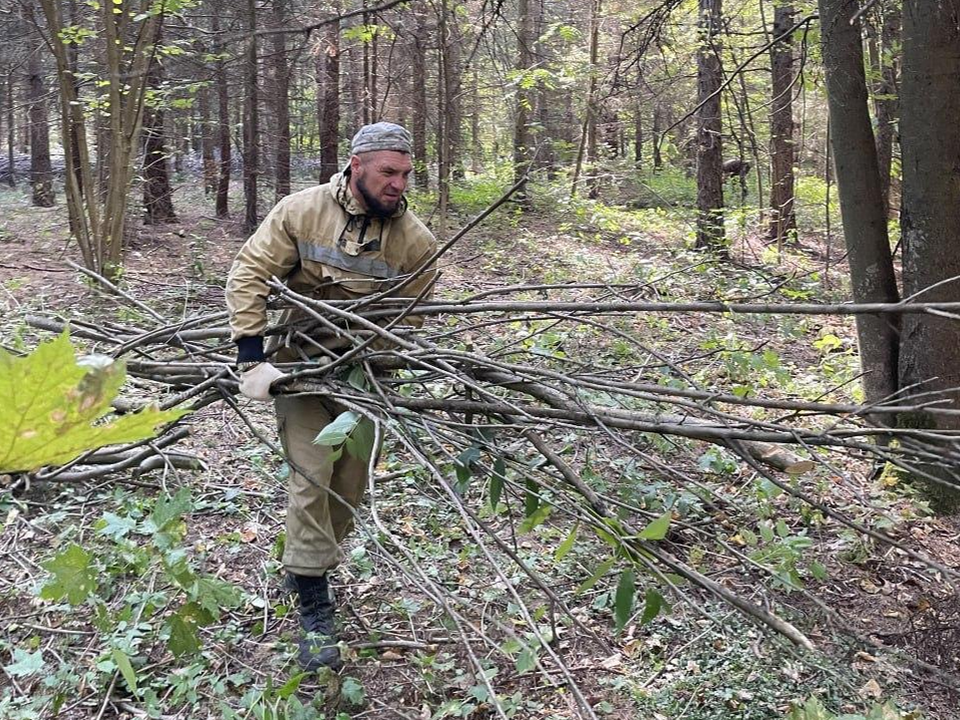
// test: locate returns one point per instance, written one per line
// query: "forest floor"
(700, 661)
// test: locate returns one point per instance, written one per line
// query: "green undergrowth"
(171, 594)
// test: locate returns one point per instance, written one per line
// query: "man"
(351, 237)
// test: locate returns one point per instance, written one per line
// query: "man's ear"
(355, 163)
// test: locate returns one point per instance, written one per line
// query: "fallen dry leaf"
(871, 689)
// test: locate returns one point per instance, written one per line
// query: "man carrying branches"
(351, 237)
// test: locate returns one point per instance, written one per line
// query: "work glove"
(255, 383)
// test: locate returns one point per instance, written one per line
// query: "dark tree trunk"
(710, 231)
(207, 144)
(476, 147)
(886, 104)
(330, 118)
(11, 132)
(421, 173)
(157, 192)
(638, 122)
(281, 103)
(657, 137)
(783, 219)
(251, 125)
(223, 120)
(858, 182)
(41, 173)
(444, 86)
(930, 218)
(522, 142)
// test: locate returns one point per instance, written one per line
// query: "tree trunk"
(783, 220)
(710, 231)
(444, 119)
(11, 132)
(223, 120)
(251, 125)
(330, 120)
(207, 154)
(281, 103)
(638, 123)
(886, 104)
(930, 217)
(588, 128)
(41, 173)
(657, 133)
(418, 47)
(858, 182)
(476, 146)
(157, 191)
(522, 143)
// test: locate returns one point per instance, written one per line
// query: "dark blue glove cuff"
(250, 349)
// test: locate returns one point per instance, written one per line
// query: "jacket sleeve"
(427, 277)
(270, 252)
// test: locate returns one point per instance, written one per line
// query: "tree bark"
(251, 125)
(710, 230)
(11, 131)
(223, 120)
(418, 49)
(783, 219)
(638, 123)
(522, 142)
(886, 104)
(41, 172)
(207, 154)
(444, 119)
(858, 182)
(657, 137)
(330, 120)
(930, 217)
(281, 103)
(157, 191)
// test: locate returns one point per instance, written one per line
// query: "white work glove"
(255, 383)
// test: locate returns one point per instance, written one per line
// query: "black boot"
(318, 641)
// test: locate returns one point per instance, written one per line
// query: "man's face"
(380, 178)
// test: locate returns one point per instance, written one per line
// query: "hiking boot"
(318, 639)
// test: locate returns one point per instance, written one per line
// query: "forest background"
(740, 218)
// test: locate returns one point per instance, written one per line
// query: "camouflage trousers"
(317, 521)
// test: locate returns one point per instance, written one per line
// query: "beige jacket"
(320, 243)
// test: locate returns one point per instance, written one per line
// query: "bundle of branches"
(485, 392)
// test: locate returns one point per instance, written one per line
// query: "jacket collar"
(340, 183)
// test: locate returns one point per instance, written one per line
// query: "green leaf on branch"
(623, 604)
(464, 466)
(567, 545)
(74, 576)
(170, 509)
(351, 430)
(529, 523)
(183, 628)
(339, 430)
(360, 442)
(531, 498)
(653, 603)
(602, 570)
(126, 669)
(497, 479)
(52, 405)
(657, 529)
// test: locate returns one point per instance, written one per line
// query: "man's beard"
(374, 206)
